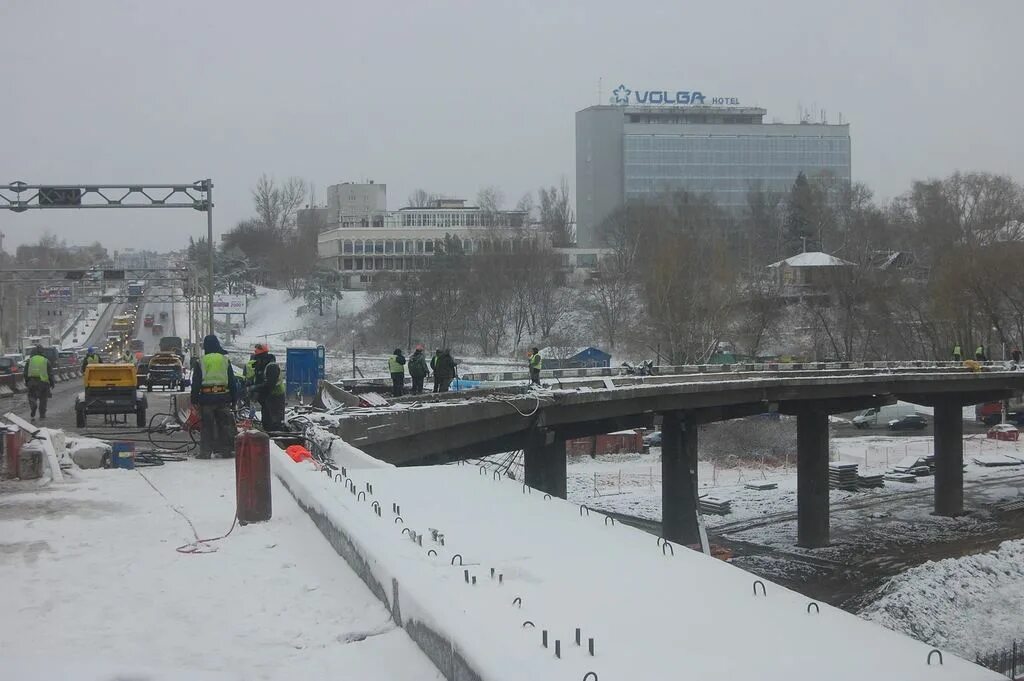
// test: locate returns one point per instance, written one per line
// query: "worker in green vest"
(268, 388)
(958, 355)
(536, 364)
(39, 379)
(396, 367)
(91, 357)
(214, 393)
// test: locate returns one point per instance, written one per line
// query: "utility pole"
(209, 237)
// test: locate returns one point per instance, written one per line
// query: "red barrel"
(252, 476)
(12, 450)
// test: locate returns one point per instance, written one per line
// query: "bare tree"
(756, 316)
(420, 198)
(611, 300)
(490, 199)
(276, 205)
(556, 214)
(527, 205)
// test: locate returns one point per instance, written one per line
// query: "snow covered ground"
(970, 605)
(273, 316)
(631, 483)
(94, 588)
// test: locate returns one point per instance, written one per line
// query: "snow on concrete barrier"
(491, 578)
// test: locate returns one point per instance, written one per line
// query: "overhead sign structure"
(20, 196)
(228, 304)
(624, 96)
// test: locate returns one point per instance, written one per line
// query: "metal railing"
(1009, 661)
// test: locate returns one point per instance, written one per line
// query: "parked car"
(69, 358)
(9, 365)
(876, 416)
(653, 439)
(909, 422)
(1003, 431)
(147, 320)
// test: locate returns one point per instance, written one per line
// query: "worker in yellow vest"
(536, 364)
(39, 379)
(214, 393)
(396, 367)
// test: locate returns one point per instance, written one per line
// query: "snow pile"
(88, 452)
(969, 605)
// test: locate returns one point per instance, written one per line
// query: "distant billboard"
(228, 304)
(54, 294)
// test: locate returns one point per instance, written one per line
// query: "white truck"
(879, 417)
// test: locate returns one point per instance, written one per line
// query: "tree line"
(684, 279)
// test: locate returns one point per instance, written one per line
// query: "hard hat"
(92, 349)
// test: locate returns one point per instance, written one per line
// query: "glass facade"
(728, 167)
(417, 249)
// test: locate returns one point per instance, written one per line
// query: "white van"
(880, 416)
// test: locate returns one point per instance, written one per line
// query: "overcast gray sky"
(450, 96)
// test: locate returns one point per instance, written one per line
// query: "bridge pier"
(679, 477)
(812, 503)
(949, 458)
(544, 463)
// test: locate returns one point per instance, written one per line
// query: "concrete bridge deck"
(439, 428)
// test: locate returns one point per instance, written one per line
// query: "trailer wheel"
(149, 387)
(140, 417)
(80, 418)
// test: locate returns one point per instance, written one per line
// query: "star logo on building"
(621, 94)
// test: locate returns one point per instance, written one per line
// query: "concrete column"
(544, 463)
(949, 458)
(679, 477)
(812, 524)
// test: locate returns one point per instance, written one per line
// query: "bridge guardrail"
(739, 367)
(13, 384)
(691, 369)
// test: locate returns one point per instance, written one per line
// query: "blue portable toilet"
(304, 367)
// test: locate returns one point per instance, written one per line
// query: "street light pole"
(209, 241)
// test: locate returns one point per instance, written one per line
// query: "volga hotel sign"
(624, 96)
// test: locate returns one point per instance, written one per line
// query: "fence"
(1009, 661)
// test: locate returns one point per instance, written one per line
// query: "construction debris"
(871, 481)
(715, 506)
(761, 485)
(842, 475)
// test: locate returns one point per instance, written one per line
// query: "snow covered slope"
(978, 597)
(653, 613)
